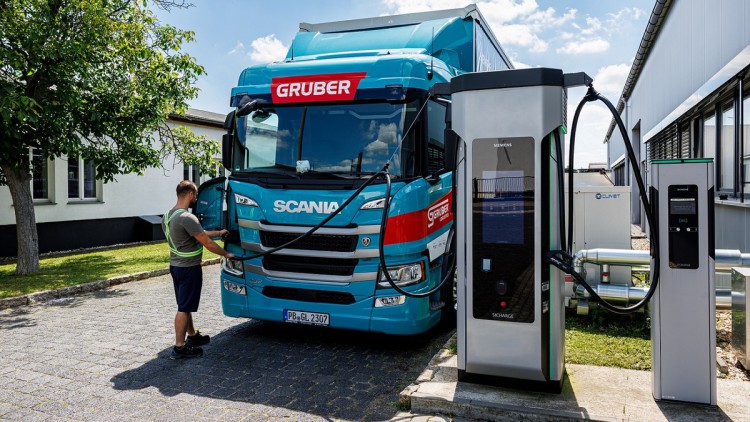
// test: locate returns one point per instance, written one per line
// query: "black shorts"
(188, 282)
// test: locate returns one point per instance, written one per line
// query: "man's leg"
(181, 321)
(190, 329)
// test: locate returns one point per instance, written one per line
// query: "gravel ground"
(724, 347)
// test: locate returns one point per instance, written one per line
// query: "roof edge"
(386, 21)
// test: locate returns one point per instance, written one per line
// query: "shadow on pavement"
(23, 317)
(677, 410)
(330, 373)
(17, 318)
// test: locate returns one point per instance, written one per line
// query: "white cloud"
(405, 6)
(596, 45)
(267, 49)
(592, 126)
(519, 65)
(516, 22)
(614, 19)
(239, 48)
(549, 18)
(522, 35)
(610, 80)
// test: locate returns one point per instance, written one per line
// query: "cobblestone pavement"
(103, 356)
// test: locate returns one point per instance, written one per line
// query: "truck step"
(435, 305)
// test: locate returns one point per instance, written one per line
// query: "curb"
(48, 295)
(404, 398)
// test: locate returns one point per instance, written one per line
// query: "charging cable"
(563, 259)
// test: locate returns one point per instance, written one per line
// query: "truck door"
(210, 205)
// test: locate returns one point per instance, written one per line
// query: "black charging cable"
(325, 220)
(381, 242)
(563, 259)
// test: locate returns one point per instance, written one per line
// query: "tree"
(95, 79)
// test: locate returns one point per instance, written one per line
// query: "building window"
(619, 174)
(709, 136)
(192, 173)
(685, 141)
(81, 179)
(39, 174)
(727, 149)
(746, 140)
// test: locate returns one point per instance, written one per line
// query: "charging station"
(683, 309)
(511, 326)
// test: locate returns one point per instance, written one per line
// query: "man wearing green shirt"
(186, 239)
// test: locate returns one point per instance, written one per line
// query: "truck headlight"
(373, 205)
(403, 275)
(244, 200)
(235, 288)
(232, 266)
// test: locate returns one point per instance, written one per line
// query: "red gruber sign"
(315, 88)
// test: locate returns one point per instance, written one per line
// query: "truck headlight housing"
(235, 288)
(244, 200)
(375, 204)
(233, 267)
(402, 275)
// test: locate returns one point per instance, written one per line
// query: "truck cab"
(307, 134)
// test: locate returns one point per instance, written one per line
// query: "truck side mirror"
(227, 146)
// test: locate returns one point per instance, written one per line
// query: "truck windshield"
(346, 139)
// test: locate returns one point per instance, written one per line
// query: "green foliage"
(86, 267)
(96, 79)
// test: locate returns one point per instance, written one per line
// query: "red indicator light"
(503, 304)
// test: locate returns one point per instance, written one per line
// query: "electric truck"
(308, 142)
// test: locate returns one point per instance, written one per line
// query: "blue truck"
(306, 134)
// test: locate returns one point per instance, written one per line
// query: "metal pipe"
(624, 295)
(725, 259)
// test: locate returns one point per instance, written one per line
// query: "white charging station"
(511, 326)
(683, 309)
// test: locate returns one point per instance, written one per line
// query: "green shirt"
(183, 227)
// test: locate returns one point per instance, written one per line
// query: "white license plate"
(309, 318)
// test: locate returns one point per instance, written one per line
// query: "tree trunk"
(26, 235)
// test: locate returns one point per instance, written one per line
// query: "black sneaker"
(185, 352)
(197, 339)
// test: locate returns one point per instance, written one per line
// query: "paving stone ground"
(103, 356)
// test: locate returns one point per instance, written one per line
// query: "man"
(186, 239)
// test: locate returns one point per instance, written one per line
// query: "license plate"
(309, 318)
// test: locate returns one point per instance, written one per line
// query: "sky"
(594, 36)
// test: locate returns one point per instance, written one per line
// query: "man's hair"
(186, 187)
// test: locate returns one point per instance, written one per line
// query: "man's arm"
(216, 233)
(205, 239)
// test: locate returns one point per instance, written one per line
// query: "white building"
(688, 96)
(74, 210)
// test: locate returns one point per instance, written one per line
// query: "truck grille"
(314, 242)
(304, 295)
(307, 265)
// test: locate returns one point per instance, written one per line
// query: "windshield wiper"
(359, 173)
(276, 169)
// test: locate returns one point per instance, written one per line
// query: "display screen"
(502, 206)
(682, 206)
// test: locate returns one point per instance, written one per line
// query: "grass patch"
(606, 339)
(72, 270)
(453, 347)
